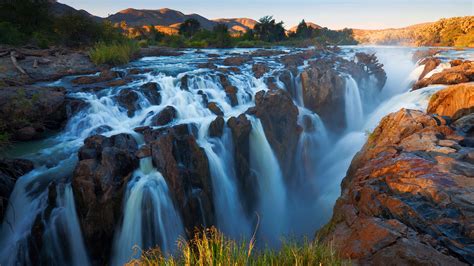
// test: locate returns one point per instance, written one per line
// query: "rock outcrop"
(430, 64)
(407, 197)
(279, 117)
(460, 72)
(99, 183)
(185, 167)
(26, 113)
(454, 101)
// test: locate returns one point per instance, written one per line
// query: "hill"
(309, 24)
(168, 20)
(457, 31)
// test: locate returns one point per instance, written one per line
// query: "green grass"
(113, 54)
(210, 247)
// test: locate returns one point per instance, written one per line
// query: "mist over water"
(150, 217)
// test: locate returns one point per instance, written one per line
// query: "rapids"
(150, 217)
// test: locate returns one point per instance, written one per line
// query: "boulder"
(279, 117)
(430, 64)
(10, 171)
(454, 101)
(461, 73)
(128, 99)
(99, 183)
(184, 83)
(215, 108)
(25, 113)
(216, 128)
(151, 92)
(165, 116)
(259, 69)
(407, 192)
(185, 167)
(105, 75)
(236, 60)
(229, 89)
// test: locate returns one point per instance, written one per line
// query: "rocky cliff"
(407, 197)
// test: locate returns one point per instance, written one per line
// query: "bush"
(114, 53)
(143, 43)
(9, 34)
(209, 247)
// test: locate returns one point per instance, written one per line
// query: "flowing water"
(150, 217)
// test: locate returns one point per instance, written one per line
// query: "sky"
(334, 14)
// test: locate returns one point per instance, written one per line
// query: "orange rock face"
(408, 197)
(455, 101)
(460, 72)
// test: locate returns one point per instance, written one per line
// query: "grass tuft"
(113, 54)
(210, 247)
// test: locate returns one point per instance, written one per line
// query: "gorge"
(247, 140)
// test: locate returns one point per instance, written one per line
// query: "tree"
(222, 37)
(268, 30)
(189, 27)
(303, 31)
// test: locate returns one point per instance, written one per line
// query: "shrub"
(9, 34)
(143, 43)
(210, 247)
(114, 53)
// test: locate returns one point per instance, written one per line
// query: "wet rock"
(138, 71)
(151, 92)
(128, 98)
(241, 127)
(208, 65)
(117, 83)
(279, 117)
(99, 183)
(105, 75)
(184, 83)
(230, 90)
(26, 112)
(10, 171)
(259, 69)
(236, 60)
(267, 52)
(216, 128)
(372, 67)
(456, 74)
(405, 193)
(465, 125)
(421, 54)
(323, 93)
(185, 167)
(454, 101)
(430, 64)
(215, 108)
(165, 116)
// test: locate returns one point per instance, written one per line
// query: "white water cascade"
(272, 192)
(150, 218)
(353, 105)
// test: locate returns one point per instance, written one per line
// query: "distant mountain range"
(458, 31)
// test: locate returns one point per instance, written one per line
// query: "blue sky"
(336, 14)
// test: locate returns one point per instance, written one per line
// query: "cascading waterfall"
(150, 218)
(272, 192)
(353, 105)
(231, 218)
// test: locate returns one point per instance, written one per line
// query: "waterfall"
(150, 218)
(353, 105)
(272, 192)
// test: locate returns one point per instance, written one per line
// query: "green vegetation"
(210, 247)
(113, 53)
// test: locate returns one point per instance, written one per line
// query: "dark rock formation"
(241, 127)
(105, 75)
(128, 98)
(216, 128)
(99, 183)
(215, 108)
(27, 112)
(185, 167)
(151, 92)
(259, 69)
(10, 171)
(406, 195)
(236, 60)
(279, 117)
(165, 116)
(229, 89)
